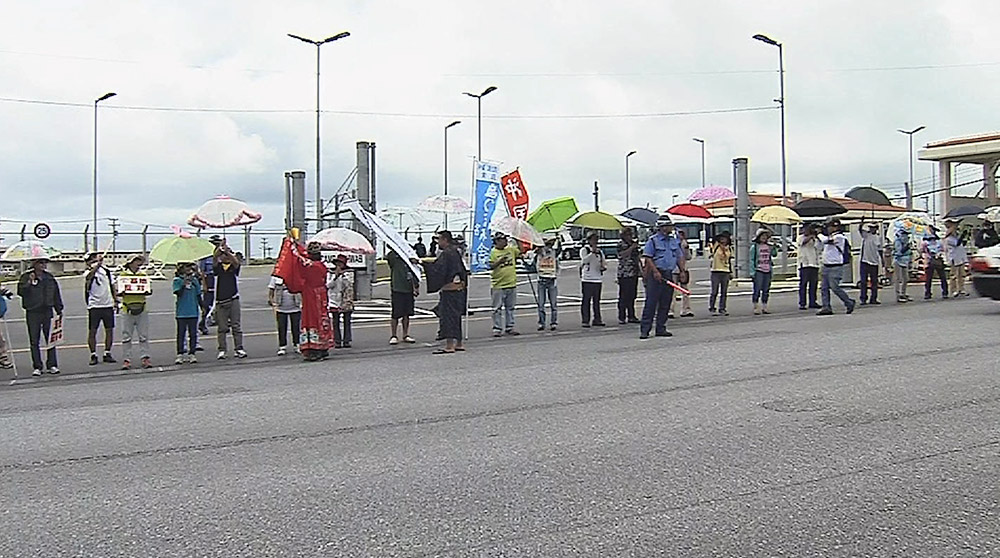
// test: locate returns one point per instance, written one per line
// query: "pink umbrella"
(711, 193)
(340, 239)
(222, 212)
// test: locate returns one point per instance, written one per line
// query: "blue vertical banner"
(487, 193)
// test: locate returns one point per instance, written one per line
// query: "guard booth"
(982, 150)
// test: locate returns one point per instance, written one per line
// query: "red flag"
(515, 194)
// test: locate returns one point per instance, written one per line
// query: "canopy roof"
(982, 148)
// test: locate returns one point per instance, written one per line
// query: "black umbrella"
(641, 215)
(867, 194)
(818, 207)
(964, 211)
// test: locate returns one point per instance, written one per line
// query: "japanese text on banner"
(515, 194)
(487, 194)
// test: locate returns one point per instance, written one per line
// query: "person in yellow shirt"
(503, 284)
(722, 272)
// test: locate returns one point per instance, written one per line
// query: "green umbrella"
(551, 214)
(597, 220)
(178, 249)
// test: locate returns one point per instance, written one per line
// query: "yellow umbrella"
(776, 215)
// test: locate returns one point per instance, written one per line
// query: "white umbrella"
(443, 203)
(221, 212)
(518, 229)
(343, 240)
(991, 214)
(28, 250)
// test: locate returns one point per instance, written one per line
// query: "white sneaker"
(53, 370)
(394, 340)
(222, 355)
(282, 351)
(192, 359)
(240, 353)
(36, 372)
(298, 351)
(179, 359)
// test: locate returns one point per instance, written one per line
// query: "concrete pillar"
(299, 201)
(944, 180)
(741, 213)
(288, 201)
(990, 182)
(365, 277)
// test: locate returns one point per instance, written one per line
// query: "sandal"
(443, 352)
(460, 349)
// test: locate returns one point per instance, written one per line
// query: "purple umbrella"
(711, 194)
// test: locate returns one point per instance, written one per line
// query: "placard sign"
(354, 261)
(134, 285)
(55, 332)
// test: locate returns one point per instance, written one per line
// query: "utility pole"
(264, 247)
(596, 191)
(114, 234)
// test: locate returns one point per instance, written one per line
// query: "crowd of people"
(314, 302)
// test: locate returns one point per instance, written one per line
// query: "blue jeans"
(658, 297)
(503, 308)
(761, 286)
(547, 290)
(832, 276)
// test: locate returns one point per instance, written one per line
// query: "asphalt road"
(874, 434)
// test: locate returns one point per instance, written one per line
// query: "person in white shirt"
(287, 312)
(956, 256)
(546, 261)
(592, 268)
(102, 298)
(836, 254)
(871, 259)
(810, 251)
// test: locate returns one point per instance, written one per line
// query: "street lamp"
(319, 192)
(629, 154)
(104, 97)
(479, 116)
(702, 142)
(781, 103)
(455, 123)
(909, 185)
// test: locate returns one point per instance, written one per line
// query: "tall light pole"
(909, 185)
(104, 97)
(781, 103)
(319, 191)
(455, 123)
(479, 116)
(702, 142)
(629, 154)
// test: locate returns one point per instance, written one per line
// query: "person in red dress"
(307, 274)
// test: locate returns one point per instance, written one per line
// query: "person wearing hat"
(810, 254)
(592, 268)
(721, 272)
(932, 252)
(871, 257)
(448, 276)
(135, 319)
(41, 299)
(207, 268)
(836, 255)
(187, 290)
(101, 297)
(902, 254)
(956, 256)
(628, 276)
(761, 253)
(503, 284)
(986, 236)
(340, 291)
(662, 254)
(546, 260)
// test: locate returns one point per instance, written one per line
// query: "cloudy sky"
(580, 83)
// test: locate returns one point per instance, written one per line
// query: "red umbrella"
(690, 210)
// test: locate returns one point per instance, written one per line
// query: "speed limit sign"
(42, 231)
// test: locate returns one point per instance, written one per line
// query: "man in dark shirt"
(226, 267)
(419, 248)
(403, 287)
(986, 236)
(40, 297)
(207, 268)
(628, 276)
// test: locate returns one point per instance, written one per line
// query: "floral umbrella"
(221, 212)
(444, 203)
(916, 224)
(518, 229)
(29, 250)
(712, 193)
(343, 240)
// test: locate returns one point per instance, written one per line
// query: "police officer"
(661, 256)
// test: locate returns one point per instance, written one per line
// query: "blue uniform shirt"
(665, 251)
